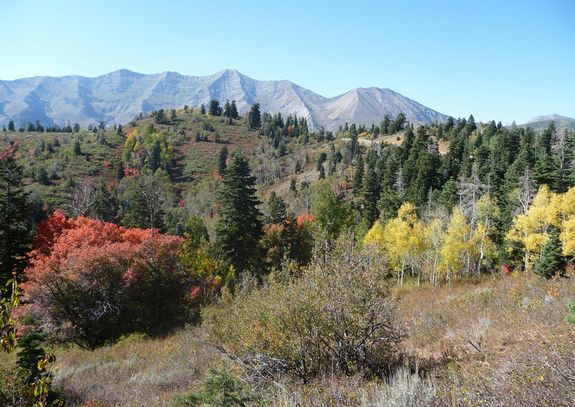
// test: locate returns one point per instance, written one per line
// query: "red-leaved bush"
(90, 281)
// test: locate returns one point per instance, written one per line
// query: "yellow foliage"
(408, 213)
(455, 244)
(567, 214)
(374, 236)
(402, 238)
(530, 229)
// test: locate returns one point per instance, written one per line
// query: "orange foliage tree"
(291, 239)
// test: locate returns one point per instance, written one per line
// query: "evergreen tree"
(106, 206)
(42, 176)
(448, 197)
(371, 195)
(215, 109)
(77, 147)
(547, 137)
(564, 158)
(407, 144)
(203, 109)
(222, 160)
(400, 120)
(551, 261)
(31, 353)
(353, 146)
(385, 125)
(277, 209)
(120, 171)
(228, 109)
(254, 117)
(11, 125)
(470, 126)
(160, 117)
(292, 185)
(545, 170)
(15, 219)
(358, 177)
(234, 110)
(320, 160)
(155, 157)
(388, 204)
(239, 227)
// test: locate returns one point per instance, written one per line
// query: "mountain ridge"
(541, 122)
(118, 96)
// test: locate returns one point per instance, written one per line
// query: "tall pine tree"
(222, 160)
(254, 117)
(371, 195)
(358, 177)
(15, 219)
(239, 227)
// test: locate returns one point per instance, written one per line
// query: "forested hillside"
(199, 257)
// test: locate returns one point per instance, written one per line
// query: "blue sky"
(502, 60)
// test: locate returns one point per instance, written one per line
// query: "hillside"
(511, 348)
(52, 167)
(119, 96)
(385, 265)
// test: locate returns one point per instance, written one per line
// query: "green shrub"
(221, 389)
(337, 317)
(571, 316)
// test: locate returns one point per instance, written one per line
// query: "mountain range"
(541, 122)
(120, 95)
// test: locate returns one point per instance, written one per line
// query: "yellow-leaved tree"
(402, 239)
(567, 215)
(455, 247)
(530, 229)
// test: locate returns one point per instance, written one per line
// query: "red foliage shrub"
(506, 269)
(91, 281)
(304, 219)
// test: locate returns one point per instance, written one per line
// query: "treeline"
(38, 127)
(440, 215)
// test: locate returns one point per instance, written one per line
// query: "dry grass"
(404, 388)
(499, 341)
(134, 372)
(504, 341)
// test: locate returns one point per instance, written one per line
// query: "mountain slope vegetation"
(386, 264)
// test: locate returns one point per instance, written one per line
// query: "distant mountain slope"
(541, 122)
(118, 96)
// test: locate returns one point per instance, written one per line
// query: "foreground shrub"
(221, 389)
(91, 282)
(336, 317)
